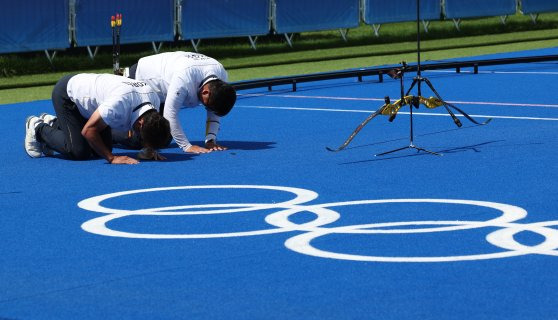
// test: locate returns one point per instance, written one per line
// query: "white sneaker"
(49, 120)
(33, 147)
(126, 72)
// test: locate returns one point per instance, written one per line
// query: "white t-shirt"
(120, 101)
(177, 77)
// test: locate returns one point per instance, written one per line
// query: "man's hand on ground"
(197, 149)
(123, 160)
(213, 146)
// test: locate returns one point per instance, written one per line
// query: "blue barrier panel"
(538, 6)
(381, 11)
(457, 9)
(34, 25)
(143, 21)
(313, 15)
(231, 18)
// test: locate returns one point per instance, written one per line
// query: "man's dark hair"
(221, 98)
(155, 132)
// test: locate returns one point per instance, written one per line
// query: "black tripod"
(412, 101)
(415, 101)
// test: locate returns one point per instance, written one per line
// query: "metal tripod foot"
(411, 146)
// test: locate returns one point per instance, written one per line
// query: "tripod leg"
(409, 147)
(446, 105)
(415, 80)
(455, 119)
(392, 151)
(427, 151)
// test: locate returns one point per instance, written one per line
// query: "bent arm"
(173, 102)
(92, 133)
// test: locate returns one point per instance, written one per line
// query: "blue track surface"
(279, 228)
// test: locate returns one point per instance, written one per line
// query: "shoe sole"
(25, 141)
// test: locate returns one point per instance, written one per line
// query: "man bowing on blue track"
(87, 107)
(186, 79)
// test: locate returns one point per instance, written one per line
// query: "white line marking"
(381, 99)
(415, 113)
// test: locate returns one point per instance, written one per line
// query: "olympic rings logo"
(279, 221)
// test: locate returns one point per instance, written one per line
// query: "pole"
(418, 46)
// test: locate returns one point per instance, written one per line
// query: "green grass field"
(29, 76)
